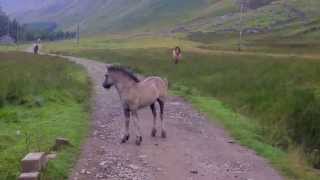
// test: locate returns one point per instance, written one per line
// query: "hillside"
(171, 15)
(19, 6)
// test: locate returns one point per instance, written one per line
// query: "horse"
(135, 95)
(177, 54)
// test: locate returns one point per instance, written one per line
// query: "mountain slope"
(115, 15)
(170, 15)
(19, 6)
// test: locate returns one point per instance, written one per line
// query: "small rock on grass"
(51, 156)
(61, 142)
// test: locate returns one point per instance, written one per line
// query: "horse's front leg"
(137, 127)
(126, 136)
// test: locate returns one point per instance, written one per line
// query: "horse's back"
(147, 92)
(159, 84)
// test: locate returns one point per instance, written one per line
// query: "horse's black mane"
(124, 71)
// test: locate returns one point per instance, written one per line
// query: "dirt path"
(194, 150)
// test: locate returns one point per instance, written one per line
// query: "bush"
(303, 122)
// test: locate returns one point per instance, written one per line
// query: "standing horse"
(135, 95)
(176, 54)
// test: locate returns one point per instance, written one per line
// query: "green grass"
(248, 132)
(126, 41)
(5, 48)
(41, 98)
(279, 95)
(280, 42)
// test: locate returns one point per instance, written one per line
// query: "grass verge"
(41, 98)
(246, 131)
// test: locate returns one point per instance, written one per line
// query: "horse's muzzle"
(106, 85)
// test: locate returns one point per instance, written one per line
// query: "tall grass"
(26, 77)
(281, 93)
(41, 98)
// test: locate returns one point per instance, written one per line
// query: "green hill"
(175, 15)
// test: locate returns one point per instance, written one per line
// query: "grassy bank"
(278, 94)
(41, 98)
(291, 163)
(6, 48)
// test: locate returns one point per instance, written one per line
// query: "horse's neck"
(123, 88)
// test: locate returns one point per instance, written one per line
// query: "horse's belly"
(144, 102)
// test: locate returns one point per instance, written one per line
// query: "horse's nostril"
(106, 86)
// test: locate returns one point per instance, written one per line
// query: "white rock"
(142, 156)
(134, 167)
(103, 163)
(83, 171)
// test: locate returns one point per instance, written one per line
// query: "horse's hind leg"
(163, 131)
(154, 113)
(126, 136)
(136, 124)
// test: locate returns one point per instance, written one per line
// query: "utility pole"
(78, 34)
(21, 33)
(240, 25)
(8, 27)
(17, 35)
(285, 5)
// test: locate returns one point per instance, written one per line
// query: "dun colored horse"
(135, 95)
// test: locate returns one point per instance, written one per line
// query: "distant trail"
(195, 149)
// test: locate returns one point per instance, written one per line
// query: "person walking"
(36, 49)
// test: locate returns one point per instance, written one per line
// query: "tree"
(4, 22)
(31, 32)
(14, 28)
(1, 11)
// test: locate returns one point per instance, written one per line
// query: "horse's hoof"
(125, 138)
(139, 140)
(153, 132)
(163, 134)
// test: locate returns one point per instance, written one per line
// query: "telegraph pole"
(17, 35)
(8, 27)
(78, 34)
(241, 30)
